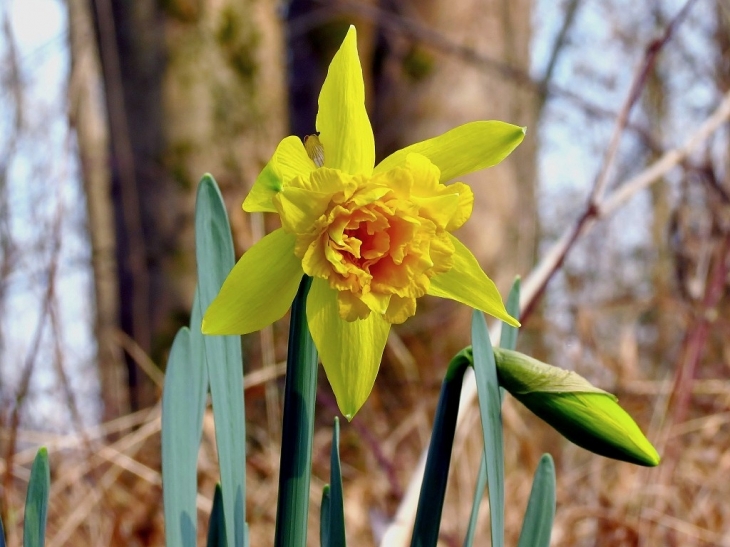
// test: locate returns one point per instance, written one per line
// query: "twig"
(82, 511)
(570, 12)
(139, 356)
(535, 283)
(29, 365)
(637, 86)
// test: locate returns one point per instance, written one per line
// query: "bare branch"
(534, 285)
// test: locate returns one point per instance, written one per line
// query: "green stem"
(433, 487)
(297, 428)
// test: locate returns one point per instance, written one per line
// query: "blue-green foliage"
(490, 402)
(183, 406)
(538, 523)
(297, 427)
(216, 523)
(336, 510)
(438, 460)
(36, 502)
(215, 258)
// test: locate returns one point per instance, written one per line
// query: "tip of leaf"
(350, 416)
(524, 129)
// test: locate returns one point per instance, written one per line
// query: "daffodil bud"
(582, 413)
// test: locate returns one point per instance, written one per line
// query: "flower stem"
(297, 428)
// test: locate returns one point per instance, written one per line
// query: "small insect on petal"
(314, 149)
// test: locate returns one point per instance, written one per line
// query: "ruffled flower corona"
(373, 238)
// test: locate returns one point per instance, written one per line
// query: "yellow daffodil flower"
(373, 238)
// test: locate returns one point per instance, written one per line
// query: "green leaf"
(489, 408)
(508, 337)
(217, 522)
(214, 253)
(538, 523)
(183, 405)
(336, 528)
(297, 428)
(36, 501)
(438, 460)
(324, 518)
(478, 495)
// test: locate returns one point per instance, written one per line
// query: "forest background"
(615, 211)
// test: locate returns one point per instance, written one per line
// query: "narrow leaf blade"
(324, 518)
(36, 501)
(217, 522)
(438, 460)
(478, 495)
(183, 404)
(490, 411)
(508, 336)
(297, 427)
(337, 509)
(508, 339)
(215, 257)
(540, 513)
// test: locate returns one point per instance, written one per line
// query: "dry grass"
(106, 485)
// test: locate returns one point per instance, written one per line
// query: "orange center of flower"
(377, 240)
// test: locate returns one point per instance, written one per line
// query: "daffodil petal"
(465, 282)
(290, 160)
(342, 121)
(260, 288)
(350, 350)
(464, 149)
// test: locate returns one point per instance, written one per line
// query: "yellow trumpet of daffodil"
(373, 238)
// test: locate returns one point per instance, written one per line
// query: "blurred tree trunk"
(427, 91)
(191, 87)
(87, 116)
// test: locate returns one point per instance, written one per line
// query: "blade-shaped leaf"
(433, 487)
(478, 495)
(508, 337)
(337, 510)
(297, 427)
(183, 404)
(489, 407)
(36, 501)
(215, 258)
(216, 522)
(324, 518)
(538, 523)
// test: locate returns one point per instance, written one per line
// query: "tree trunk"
(87, 116)
(434, 78)
(191, 87)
